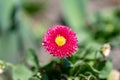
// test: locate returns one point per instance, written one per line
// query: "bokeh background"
(24, 22)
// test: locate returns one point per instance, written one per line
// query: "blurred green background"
(24, 22)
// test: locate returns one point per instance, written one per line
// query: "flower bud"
(106, 50)
(2, 67)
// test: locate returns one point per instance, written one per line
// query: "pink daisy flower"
(60, 41)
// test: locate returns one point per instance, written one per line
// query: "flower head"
(60, 41)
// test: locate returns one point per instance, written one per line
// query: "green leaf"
(82, 77)
(104, 73)
(21, 72)
(34, 78)
(9, 48)
(87, 77)
(44, 76)
(74, 12)
(92, 52)
(26, 35)
(32, 7)
(5, 14)
(83, 68)
(32, 59)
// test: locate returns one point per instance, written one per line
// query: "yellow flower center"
(60, 40)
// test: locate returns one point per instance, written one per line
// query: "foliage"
(79, 66)
(107, 27)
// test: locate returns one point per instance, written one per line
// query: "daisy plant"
(71, 61)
